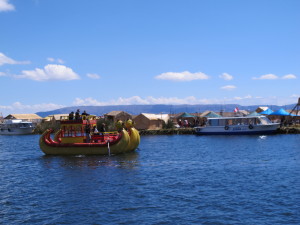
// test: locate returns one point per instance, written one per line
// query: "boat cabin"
(73, 131)
(229, 121)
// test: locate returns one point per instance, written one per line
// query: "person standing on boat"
(88, 132)
(71, 115)
(77, 115)
(85, 113)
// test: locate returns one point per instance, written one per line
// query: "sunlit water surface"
(179, 179)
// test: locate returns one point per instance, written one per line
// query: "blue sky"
(56, 53)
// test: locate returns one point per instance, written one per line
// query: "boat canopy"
(266, 112)
(280, 112)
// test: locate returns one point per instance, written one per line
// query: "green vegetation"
(168, 125)
(109, 126)
(42, 127)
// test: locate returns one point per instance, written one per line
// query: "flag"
(236, 109)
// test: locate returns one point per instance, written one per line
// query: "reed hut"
(148, 121)
(114, 116)
(34, 118)
(261, 109)
(54, 119)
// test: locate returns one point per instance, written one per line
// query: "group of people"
(89, 131)
(77, 115)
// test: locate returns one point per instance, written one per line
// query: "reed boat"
(71, 139)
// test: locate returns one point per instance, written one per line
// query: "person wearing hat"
(77, 115)
(71, 115)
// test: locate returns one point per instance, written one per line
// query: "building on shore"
(54, 119)
(149, 121)
(114, 116)
(34, 118)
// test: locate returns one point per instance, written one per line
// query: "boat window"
(264, 120)
(78, 131)
(214, 122)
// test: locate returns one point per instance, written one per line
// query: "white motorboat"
(12, 127)
(238, 125)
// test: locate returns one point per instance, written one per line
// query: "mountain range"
(172, 109)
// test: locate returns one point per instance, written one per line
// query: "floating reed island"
(281, 130)
(289, 130)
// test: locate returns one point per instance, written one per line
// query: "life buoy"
(250, 126)
(226, 127)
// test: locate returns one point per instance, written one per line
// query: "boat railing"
(82, 117)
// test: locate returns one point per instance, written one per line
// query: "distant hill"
(137, 109)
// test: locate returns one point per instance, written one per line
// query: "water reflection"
(124, 161)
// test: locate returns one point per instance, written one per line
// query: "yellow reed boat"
(72, 139)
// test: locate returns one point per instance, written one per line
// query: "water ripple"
(180, 179)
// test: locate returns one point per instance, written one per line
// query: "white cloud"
(2, 74)
(289, 76)
(50, 59)
(6, 6)
(6, 60)
(93, 76)
(60, 61)
(191, 100)
(136, 100)
(228, 87)
(226, 76)
(275, 77)
(243, 98)
(295, 96)
(50, 72)
(18, 107)
(266, 77)
(183, 76)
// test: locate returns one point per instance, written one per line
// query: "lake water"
(179, 179)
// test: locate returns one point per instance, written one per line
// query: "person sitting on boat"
(95, 130)
(71, 115)
(77, 115)
(102, 128)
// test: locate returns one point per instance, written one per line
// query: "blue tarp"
(186, 115)
(281, 112)
(266, 112)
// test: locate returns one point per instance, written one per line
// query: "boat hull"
(16, 131)
(124, 143)
(233, 130)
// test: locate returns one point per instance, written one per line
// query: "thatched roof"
(114, 113)
(23, 116)
(54, 117)
(261, 109)
(151, 116)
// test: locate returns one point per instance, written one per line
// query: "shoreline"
(282, 130)
(185, 131)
